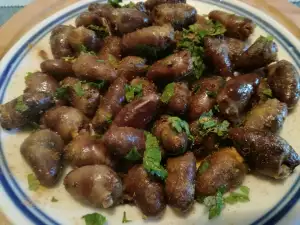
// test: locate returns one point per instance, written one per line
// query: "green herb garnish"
(133, 91)
(115, 3)
(94, 219)
(216, 108)
(20, 105)
(235, 197)
(196, 88)
(179, 125)
(215, 204)
(193, 40)
(33, 182)
(168, 93)
(69, 59)
(268, 92)
(129, 5)
(28, 74)
(270, 38)
(112, 60)
(101, 31)
(152, 157)
(78, 89)
(133, 155)
(203, 167)
(211, 94)
(61, 93)
(207, 124)
(97, 84)
(125, 220)
(54, 199)
(84, 49)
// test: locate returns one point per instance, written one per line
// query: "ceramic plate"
(271, 202)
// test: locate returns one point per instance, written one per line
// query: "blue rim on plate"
(35, 214)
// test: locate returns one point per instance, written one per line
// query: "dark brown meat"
(85, 149)
(24, 109)
(180, 183)
(172, 141)
(224, 168)
(110, 104)
(59, 43)
(127, 20)
(66, 121)
(138, 113)
(131, 67)
(82, 37)
(172, 68)
(97, 185)
(284, 80)
(260, 54)
(40, 82)
(269, 116)
(236, 26)
(179, 15)
(236, 95)
(265, 152)
(58, 68)
(87, 101)
(179, 101)
(89, 67)
(111, 48)
(150, 4)
(43, 151)
(145, 191)
(121, 140)
(204, 97)
(149, 42)
(235, 48)
(217, 51)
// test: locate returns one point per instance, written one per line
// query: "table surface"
(284, 12)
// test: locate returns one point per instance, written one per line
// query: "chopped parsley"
(84, 49)
(78, 89)
(109, 118)
(125, 220)
(268, 92)
(207, 124)
(33, 182)
(112, 60)
(152, 157)
(211, 94)
(133, 91)
(168, 93)
(61, 93)
(129, 5)
(94, 219)
(97, 84)
(270, 38)
(28, 74)
(54, 199)
(133, 155)
(216, 108)
(20, 105)
(203, 167)
(100, 60)
(215, 204)
(179, 125)
(69, 59)
(193, 40)
(115, 3)
(101, 31)
(196, 88)
(241, 196)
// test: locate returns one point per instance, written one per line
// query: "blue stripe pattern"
(35, 214)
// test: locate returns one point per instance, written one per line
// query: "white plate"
(270, 201)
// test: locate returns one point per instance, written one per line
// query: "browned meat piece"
(265, 152)
(180, 183)
(284, 80)
(224, 168)
(98, 185)
(59, 43)
(110, 104)
(145, 191)
(179, 15)
(58, 68)
(236, 26)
